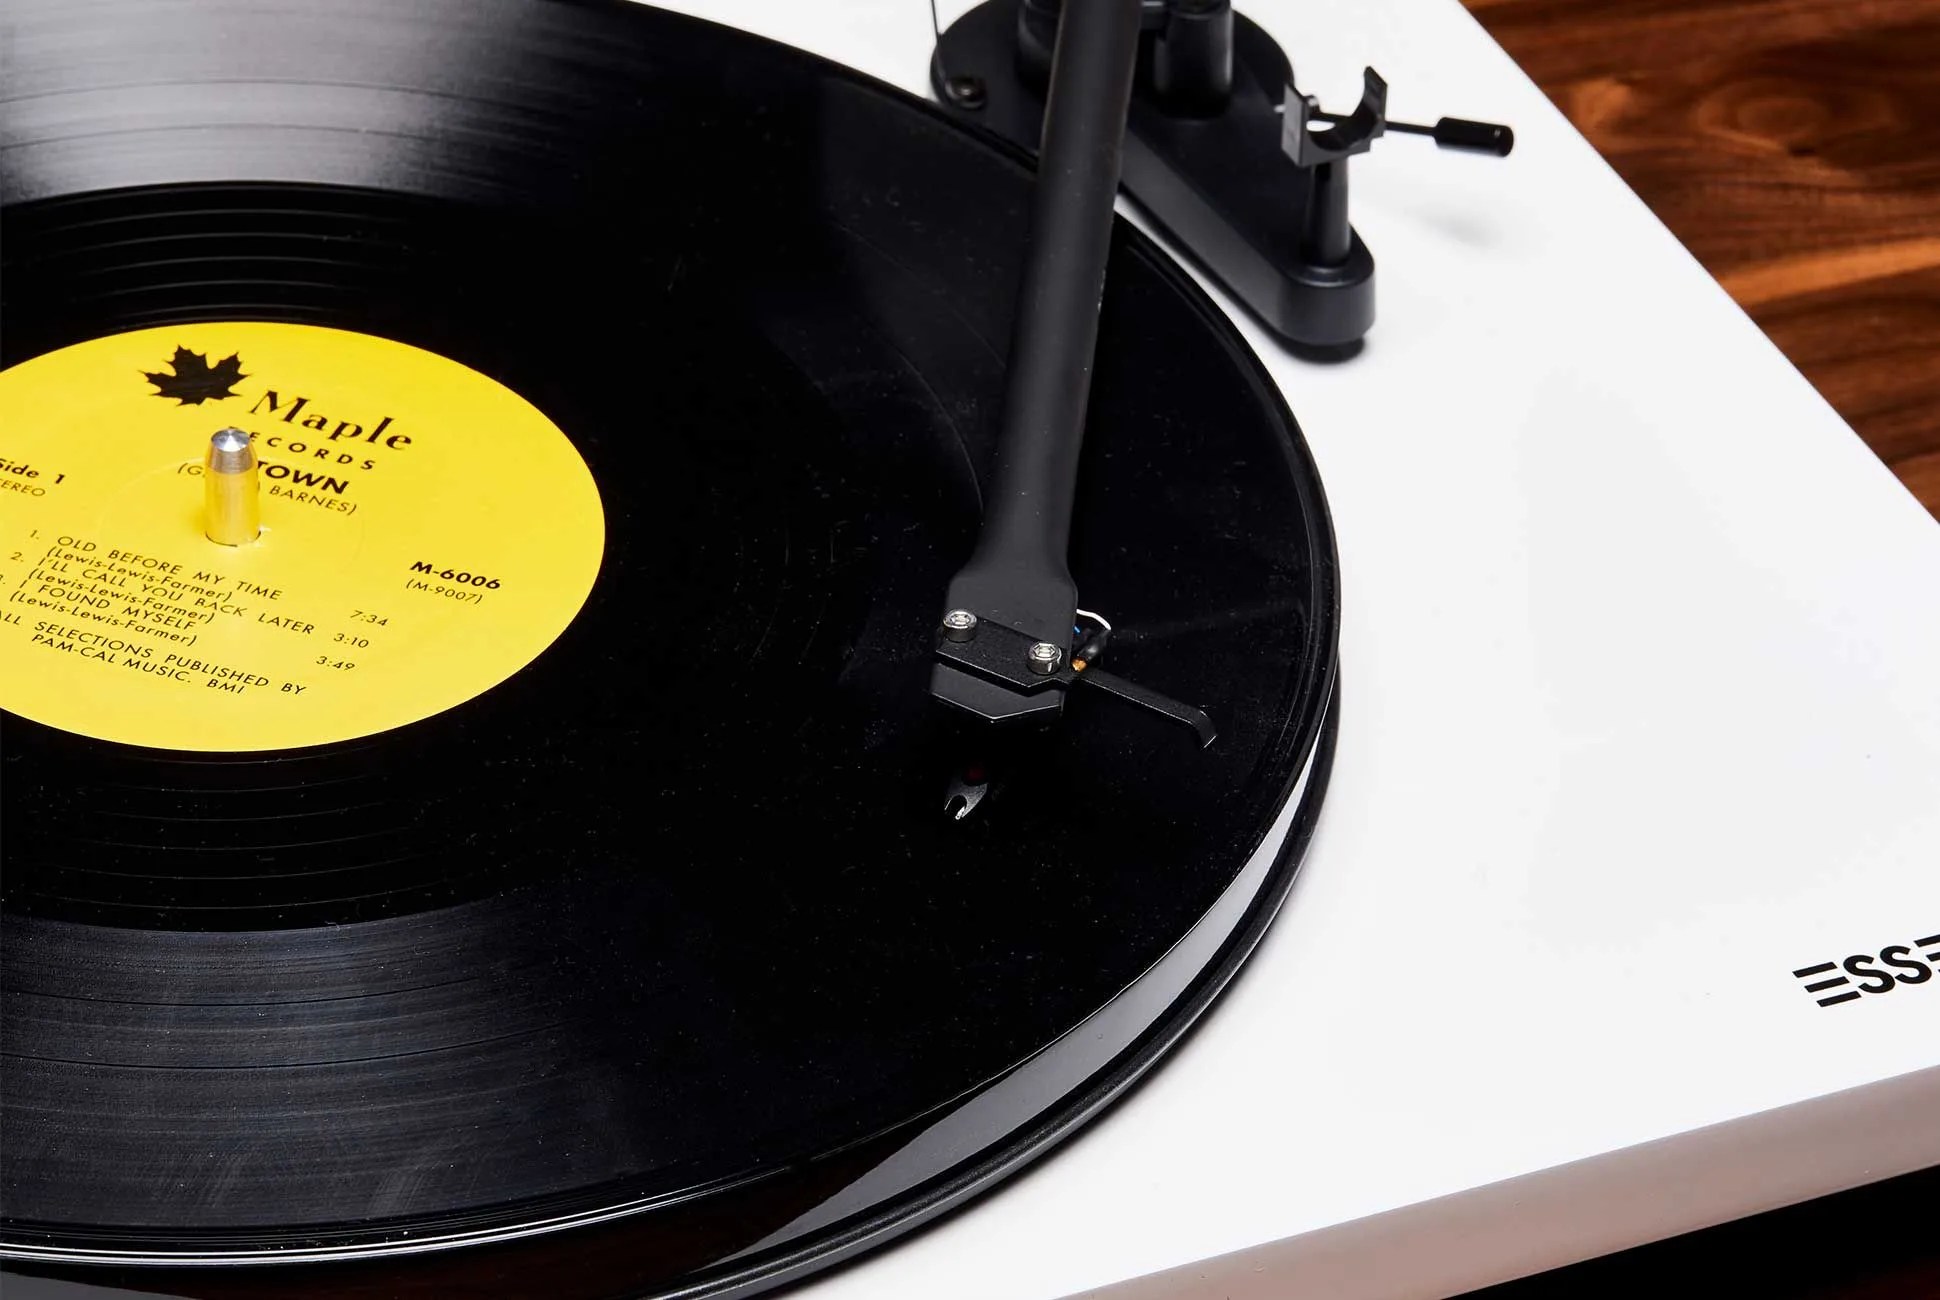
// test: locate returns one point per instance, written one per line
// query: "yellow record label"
(425, 534)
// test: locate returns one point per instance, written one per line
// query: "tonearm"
(1195, 110)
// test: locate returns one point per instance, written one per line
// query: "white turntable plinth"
(1640, 715)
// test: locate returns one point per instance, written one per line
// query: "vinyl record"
(587, 919)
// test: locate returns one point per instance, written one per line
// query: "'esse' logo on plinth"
(1892, 968)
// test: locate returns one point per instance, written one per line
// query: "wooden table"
(1794, 147)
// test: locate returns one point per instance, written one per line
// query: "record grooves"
(651, 966)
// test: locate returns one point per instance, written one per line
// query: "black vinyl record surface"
(656, 968)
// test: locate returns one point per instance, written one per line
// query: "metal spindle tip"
(230, 452)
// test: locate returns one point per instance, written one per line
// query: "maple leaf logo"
(191, 380)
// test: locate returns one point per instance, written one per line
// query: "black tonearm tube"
(1008, 644)
(1015, 599)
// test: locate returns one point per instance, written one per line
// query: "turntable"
(636, 664)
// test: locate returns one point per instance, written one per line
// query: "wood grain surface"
(1794, 147)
